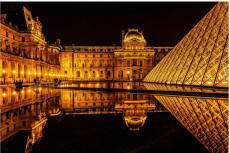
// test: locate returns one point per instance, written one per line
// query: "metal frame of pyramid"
(201, 57)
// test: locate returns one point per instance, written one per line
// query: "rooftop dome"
(133, 34)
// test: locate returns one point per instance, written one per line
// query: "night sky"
(100, 23)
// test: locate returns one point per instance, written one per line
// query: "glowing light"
(14, 72)
(29, 73)
(4, 71)
(14, 93)
(128, 72)
(35, 73)
(46, 74)
(39, 73)
(29, 90)
(128, 87)
(22, 91)
(39, 88)
(22, 72)
(4, 94)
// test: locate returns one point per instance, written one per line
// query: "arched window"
(108, 74)
(101, 74)
(25, 70)
(86, 74)
(78, 74)
(120, 74)
(141, 63)
(128, 63)
(19, 70)
(134, 62)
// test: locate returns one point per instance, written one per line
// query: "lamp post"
(4, 75)
(14, 75)
(22, 76)
(29, 76)
(128, 74)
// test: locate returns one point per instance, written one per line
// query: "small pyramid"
(201, 57)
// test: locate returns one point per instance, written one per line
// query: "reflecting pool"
(74, 118)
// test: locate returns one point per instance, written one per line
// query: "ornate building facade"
(131, 61)
(25, 54)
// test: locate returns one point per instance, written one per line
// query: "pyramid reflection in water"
(205, 118)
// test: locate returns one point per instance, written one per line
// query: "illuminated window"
(101, 74)
(134, 62)
(86, 74)
(78, 74)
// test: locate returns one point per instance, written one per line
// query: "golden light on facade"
(14, 93)
(128, 72)
(46, 74)
(128, 87)
(29, 73)
(4, 94)
(3, 71)
(22, 91)
(35, 73)
(39, 73)
(22, 72)
(29, 90)
(14, 72)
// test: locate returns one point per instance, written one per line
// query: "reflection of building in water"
(133, 106)
(135, 112)
(27, 110)
(94, 102)
(205, 118)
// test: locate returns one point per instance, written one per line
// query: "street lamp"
(22, 75)
(4, 74)
(128, 74)
(14, 75)
(29, 76)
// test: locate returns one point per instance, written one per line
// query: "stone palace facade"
(26, 55)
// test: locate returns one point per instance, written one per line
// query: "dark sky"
(100, 23)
